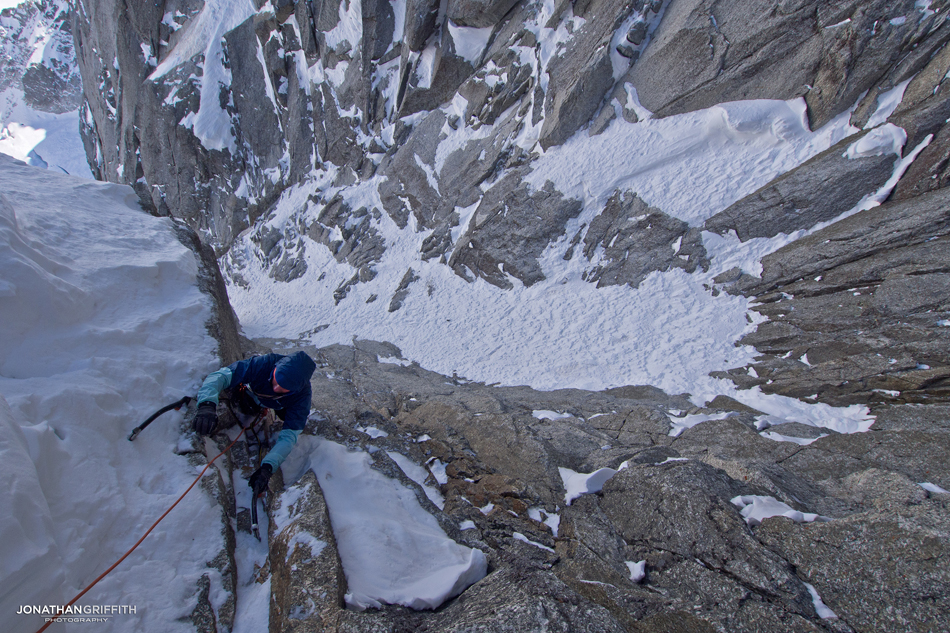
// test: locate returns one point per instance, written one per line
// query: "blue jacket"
(292, 372)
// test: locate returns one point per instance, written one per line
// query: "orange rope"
(124, 556)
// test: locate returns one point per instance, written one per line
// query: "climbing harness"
(175, 405)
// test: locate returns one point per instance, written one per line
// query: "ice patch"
(929, 487)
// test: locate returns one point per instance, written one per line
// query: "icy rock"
(816, 191)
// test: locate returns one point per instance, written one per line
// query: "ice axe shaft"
(175, 405)
(254, 528)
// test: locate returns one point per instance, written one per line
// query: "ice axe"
(254, 528)
(175, 405)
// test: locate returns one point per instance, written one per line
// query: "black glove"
(259, 479)
(206, 418)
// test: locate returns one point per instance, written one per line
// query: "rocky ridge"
(878, 560)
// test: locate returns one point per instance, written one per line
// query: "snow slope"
(101, 323)
(563, 332)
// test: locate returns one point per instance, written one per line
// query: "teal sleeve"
(286, 440)
(213, 384)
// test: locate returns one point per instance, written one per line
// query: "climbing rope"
(124, 556)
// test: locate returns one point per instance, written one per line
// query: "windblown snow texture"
(101, 323)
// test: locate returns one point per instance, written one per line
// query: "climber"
(271, 381)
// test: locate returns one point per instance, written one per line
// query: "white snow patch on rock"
(393, 551)
(469, 42)
(886, 139)
(637, 570)
(820, 607)
(741, 146)
(577, 484)
(418, 474)
(756, 508)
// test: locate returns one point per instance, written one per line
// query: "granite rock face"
(817, 191)
(830, 52)
(855, 310)
(877, 560)
(316, 100)
(50, 81)
(331, 97)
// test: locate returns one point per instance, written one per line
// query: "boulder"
(510, 229)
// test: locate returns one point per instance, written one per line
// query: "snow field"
(690, 166)
(562, 332)
(41, 139)
(101, 323)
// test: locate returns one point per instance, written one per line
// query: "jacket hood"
(294, 371)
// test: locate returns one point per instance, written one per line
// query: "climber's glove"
(258, 480)
(206, 418)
